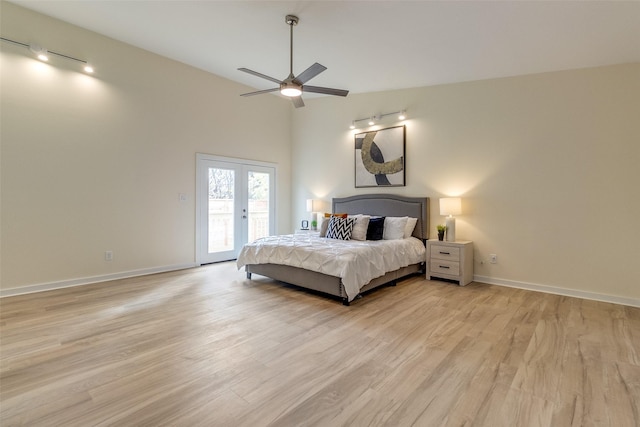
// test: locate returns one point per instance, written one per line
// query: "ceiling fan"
(293, 86)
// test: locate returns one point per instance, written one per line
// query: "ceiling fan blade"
(325, 90)
(261, 91)
(257, 74)
(310, 73)
(297, 101)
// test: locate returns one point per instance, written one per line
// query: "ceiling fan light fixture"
(290, 89)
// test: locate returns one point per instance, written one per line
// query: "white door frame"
(200, 203)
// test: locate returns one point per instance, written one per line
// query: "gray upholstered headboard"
(388, 205)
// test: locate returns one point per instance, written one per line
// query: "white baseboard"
(89, 280)
(633, 302)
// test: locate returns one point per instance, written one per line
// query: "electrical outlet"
(108, 256)
(493, 258)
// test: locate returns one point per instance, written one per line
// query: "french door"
(235, 204)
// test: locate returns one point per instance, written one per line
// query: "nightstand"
(311, 233)
(450, 260)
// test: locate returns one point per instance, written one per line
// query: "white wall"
(96, 163)
(91, 164)
(547, 166)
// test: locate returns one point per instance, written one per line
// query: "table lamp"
(451, 206)
(311, 208)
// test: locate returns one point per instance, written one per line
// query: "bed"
(340, 285)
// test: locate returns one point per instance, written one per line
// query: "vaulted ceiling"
(368, 46)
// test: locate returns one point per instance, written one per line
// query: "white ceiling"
(368, 46)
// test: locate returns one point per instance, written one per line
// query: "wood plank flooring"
(206, 347)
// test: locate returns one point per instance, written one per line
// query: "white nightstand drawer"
(445, 252)
(441, 266)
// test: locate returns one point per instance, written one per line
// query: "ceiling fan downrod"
(291, 21)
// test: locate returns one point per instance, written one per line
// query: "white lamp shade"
(450, 206)
(310, 205)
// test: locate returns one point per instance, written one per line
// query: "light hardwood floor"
(206, 347)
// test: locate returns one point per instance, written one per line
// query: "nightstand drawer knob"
(444, 266)
(445, 253)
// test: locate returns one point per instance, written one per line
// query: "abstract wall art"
(380, 158)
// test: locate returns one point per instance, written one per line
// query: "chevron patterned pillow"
(340, 228)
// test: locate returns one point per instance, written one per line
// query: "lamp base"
(451, 229)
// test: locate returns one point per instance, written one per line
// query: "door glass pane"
(258, 186)
(221, 215)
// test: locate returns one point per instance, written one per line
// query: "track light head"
(39, 51)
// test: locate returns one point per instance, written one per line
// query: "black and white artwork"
(380, 158)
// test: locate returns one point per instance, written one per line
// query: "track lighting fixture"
(402, 115)
(43, 54)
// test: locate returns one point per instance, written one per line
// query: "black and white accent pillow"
(340, 228)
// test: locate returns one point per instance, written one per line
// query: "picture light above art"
(372, 120)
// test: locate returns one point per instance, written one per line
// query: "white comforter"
(355, 262)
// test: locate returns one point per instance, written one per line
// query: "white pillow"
(411, 224)
(324, 226)
(394, 227)
(359, 231)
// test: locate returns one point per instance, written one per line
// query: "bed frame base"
(324, 283)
